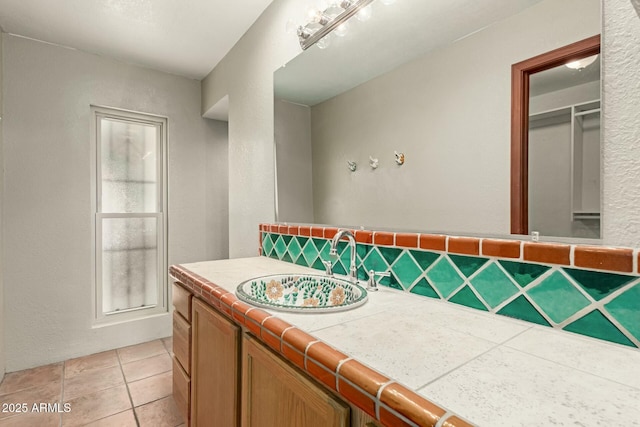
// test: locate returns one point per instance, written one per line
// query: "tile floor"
(130, 386)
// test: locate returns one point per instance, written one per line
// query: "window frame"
(101, 318)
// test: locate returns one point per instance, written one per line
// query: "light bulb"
(291, 26)
(342, 29)
(324, 42)
(365, 13)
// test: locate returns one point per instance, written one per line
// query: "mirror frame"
(520, 73)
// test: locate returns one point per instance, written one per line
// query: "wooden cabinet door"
(214, 368)
(276, 394)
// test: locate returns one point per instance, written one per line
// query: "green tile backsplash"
(597, 304)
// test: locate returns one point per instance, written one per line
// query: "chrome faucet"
(353, 273)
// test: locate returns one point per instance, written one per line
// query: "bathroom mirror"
(430, 80)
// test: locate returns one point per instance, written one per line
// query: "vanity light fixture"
(581, 64)
(324, 20)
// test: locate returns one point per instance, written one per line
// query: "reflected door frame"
(520, 73)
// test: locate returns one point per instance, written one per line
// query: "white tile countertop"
(490, 369)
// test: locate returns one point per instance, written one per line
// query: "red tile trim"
(464, 245)
(274, 228)
(329, 233)
(271, 340)
(364, 236)
(501, 248)
(383, 238)
(294, 230)
(407, 240)
(283, 229)
(305, 231)
(365, 378)
(455, 421)
(275, 326)
(390, 419)
(322, 374)
(258, 316)
(357, 397)
(411, 405)
(298, 339)
(612, 259)
(325, 355)
(253, 326)
(293, 355)
(547, 253)
(317, 232)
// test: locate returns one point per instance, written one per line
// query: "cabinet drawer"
(182, 341)
(182, 301)
(181, 390)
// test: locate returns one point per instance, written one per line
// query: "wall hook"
(352, 166)
(373, 162)
(399, 158)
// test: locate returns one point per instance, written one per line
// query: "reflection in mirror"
(564, 150)
(431, 80)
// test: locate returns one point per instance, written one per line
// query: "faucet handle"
(372, 284)
(328, 268)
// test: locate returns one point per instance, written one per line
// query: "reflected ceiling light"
(582, 63)
(329, 16)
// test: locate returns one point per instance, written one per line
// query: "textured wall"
(292, 124)
(47, 243)
(621, 147)
(246, 75)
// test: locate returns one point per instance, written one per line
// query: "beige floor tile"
(105, 359)
(168, 343)
(161, 413)
(147, 367)
(98, 405)
(34, 419)
(123, 419)
(49, 393)
(152, 388)
(21, 380)
(91, 381)
(141, 351)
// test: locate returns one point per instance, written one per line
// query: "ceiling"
(186, 38)
(562, 77)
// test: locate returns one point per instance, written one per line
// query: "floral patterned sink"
(299, 293)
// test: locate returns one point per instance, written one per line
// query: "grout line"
(469, 361)
(126, 383)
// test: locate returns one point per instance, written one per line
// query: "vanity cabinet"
(223, 377)
(214, 368)
(182, 349)
(275, 394)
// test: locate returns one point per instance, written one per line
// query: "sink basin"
(310, 293)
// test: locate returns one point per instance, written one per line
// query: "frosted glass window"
(129, 166)
(129, 263)
(130, 217)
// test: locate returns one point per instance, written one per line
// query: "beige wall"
(48, 91)
(246, 75)
(248, 70)
(292, 124)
